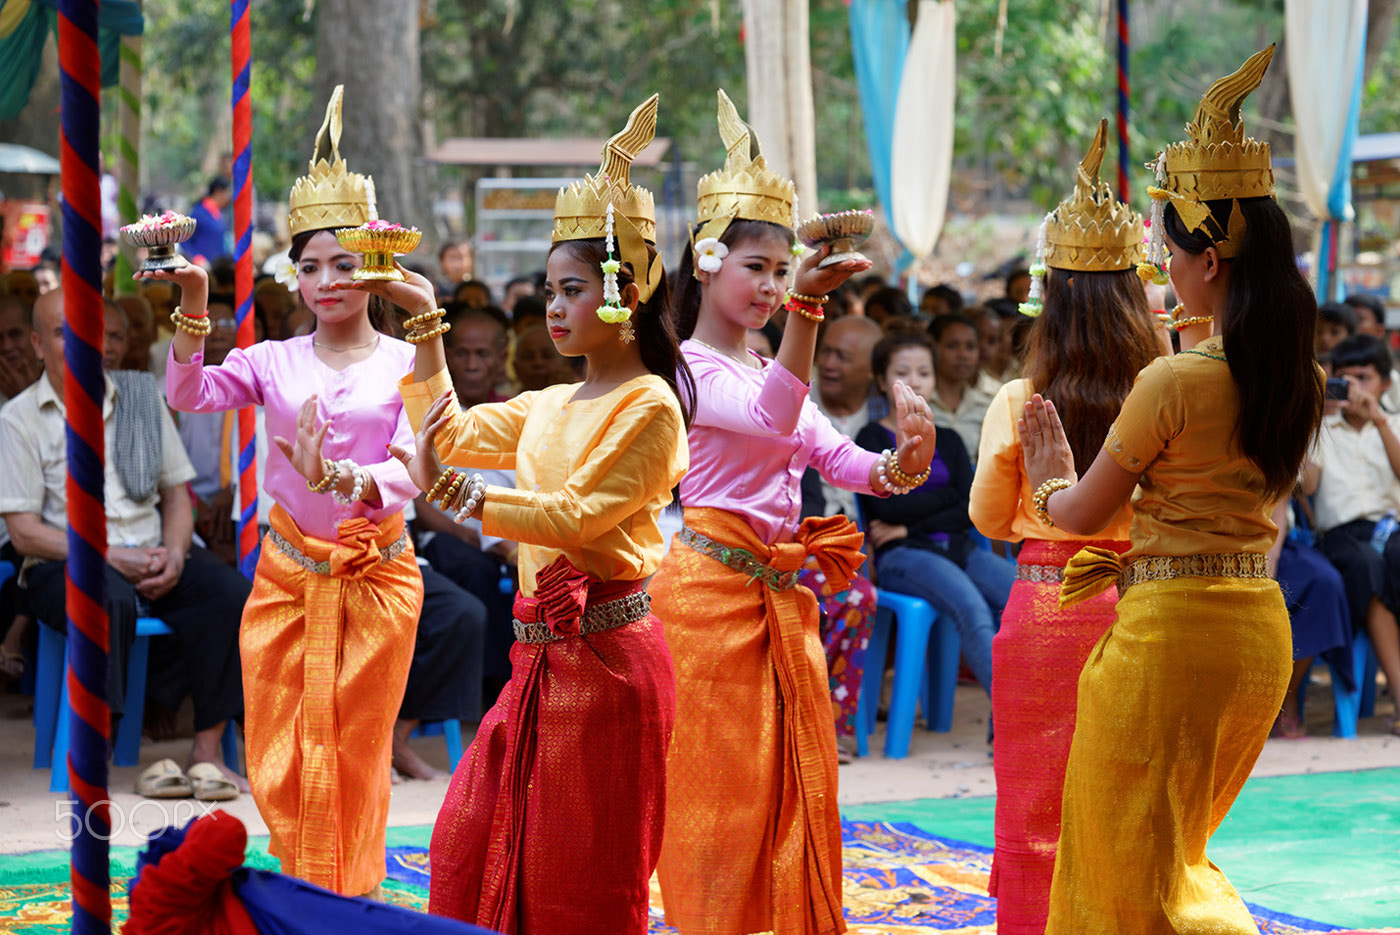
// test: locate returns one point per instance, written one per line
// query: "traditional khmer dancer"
(1176, 700)
(753, 838)
(327, 635)
(553, 821)
(1093, 334)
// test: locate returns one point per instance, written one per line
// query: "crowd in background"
(1338, 565)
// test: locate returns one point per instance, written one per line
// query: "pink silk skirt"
(1037, 656)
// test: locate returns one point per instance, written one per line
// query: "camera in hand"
(1336, 388)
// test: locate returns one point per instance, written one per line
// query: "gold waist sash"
(1094, 570)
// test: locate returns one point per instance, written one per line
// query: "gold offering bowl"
(842, 230)
(160, 243)
(379, 248)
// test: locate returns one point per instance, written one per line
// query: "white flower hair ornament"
(287, 274)
(710, 254)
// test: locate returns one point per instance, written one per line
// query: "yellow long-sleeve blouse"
(591, 475)
(1000, 506)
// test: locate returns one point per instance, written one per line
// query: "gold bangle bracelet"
(424, 318)
(901, 479)
(199, 327)
(806, 311)
(807, 299)
(451, 493)
(328, 479)
(444, 478)
(418, 337)
(1041, 498)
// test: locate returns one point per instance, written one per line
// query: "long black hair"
(1085, 350)
(656, 335)
(1268, 322)
(685, 311)
(378, 308)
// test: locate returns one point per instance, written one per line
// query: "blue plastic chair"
(926, 653)
(450, 731)
(51, 704)
(1349, 706)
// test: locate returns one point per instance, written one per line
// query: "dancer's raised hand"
(305, 453)
(813, 281)
(915, 433)
(414, 294)
(1044, 447)
(424, 465)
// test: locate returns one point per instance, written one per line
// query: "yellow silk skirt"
(1174, 706)
(325, 662)
(753, 837)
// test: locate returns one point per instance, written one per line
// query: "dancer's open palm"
(914, 430)
(424, 465)
(1044, 447)
(305, 453)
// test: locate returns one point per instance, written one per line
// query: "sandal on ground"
(210, 784)
(164, 780)
(11, 665)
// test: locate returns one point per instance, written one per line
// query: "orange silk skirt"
(325, 662)
(753, 836)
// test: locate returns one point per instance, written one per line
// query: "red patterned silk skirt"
(1037, 656)
(553, 819)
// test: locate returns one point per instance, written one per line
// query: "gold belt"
(324, 568)
(1052, 574)
(605, 616)
(1224, 565)
(741, 560)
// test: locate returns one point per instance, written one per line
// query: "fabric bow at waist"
(359, 546)
(1094, 570)
(564, 594)
(834, 541)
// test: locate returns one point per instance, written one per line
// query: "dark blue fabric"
(282, 905)
(22, 51)
(1317, 608)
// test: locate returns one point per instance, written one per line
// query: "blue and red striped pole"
(242, 50)
(1123, 93)
(83, 393)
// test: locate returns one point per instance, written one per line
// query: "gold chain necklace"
(342, 350)
(745, 361)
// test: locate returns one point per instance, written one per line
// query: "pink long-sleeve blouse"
(362, 401)
(754, 434)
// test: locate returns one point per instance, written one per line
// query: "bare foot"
(1288, 727)
(218, 761)
(410, 764)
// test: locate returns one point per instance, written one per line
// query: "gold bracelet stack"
(451, 493)
(902, 479)
(817, 300)
(328, 479)
(1041, 498)
(1178, 324)
(808, 306)
(444, 478)
(197, 325)
(419, 330)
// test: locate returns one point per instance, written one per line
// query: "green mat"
(1324, 846)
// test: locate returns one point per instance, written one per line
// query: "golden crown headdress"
(600, 205)
(1091, 230)
(330, 195)
(1215, 163)
(745, 188)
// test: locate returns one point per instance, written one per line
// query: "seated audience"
(151, 565)
(140, 331)
(844, 391)
(1335, 323)
(921, 539)
(18, 366)
(474, 293)
(941, 299)
(455, 258)
(536, 363)
(887, 303)
(993, 350)
(957, 403)
(1354, 476)
(1370, 313)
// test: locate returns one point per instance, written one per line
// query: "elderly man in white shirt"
(151, 566)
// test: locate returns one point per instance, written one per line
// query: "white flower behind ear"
(287, 274)
(710, 254)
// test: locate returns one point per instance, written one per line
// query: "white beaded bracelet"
(882, 470)
(474, 491)
(358, 491)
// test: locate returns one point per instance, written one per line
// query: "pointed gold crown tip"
(580, 209)
(745, 187)
(330, 196)
(1091, 231)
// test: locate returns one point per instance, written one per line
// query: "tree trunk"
(778, 60)
(1380, 25)
(371, 47)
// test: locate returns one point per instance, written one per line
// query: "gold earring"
(625, 334)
